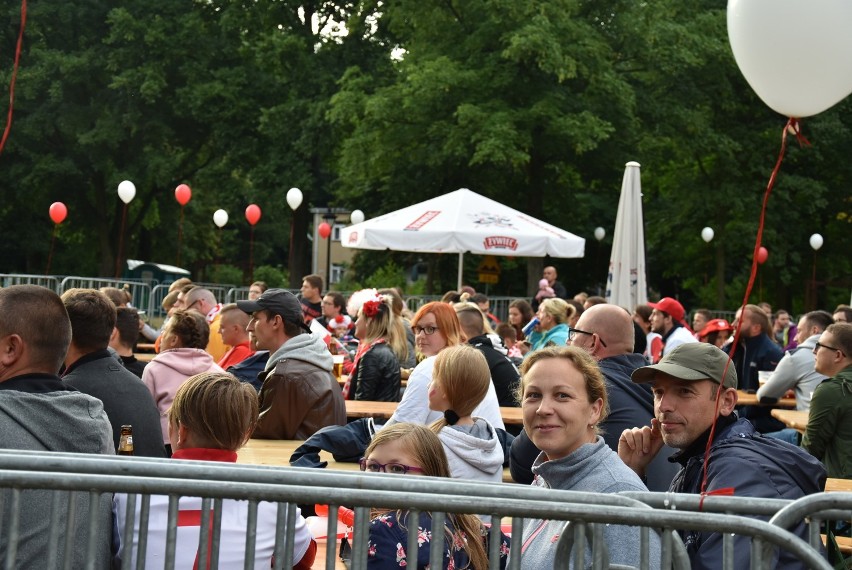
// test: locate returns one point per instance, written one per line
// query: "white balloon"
(220, 218)
(707, 234)
(816, 241)
(600, 233)
(126, 191)
(357, 216)
(294, 198)
(795, 54)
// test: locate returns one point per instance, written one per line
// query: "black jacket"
(504, 375)
(377, 377)
(753, 355)
(126, 400)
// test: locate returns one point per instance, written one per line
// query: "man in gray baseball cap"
(694, 388)
(300, 394)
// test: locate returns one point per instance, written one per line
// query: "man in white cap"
(667, 321)
(695, 387)
(299, 394)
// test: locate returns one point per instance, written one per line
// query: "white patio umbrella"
(462, 222)
(625, 284)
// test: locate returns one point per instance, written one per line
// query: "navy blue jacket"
(753, 355)
(755, 466)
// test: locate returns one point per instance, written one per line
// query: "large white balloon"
(220, 218)
(357, 216)
(294, 198)
(126, 191)
(600, 233)
(795, 54)
(707, 234)
(816, 241)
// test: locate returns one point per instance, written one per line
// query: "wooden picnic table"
(795, 419)
(750, 399)
(277, 452)
(838, 485)
(384, 410)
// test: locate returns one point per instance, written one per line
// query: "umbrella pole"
(461, 270)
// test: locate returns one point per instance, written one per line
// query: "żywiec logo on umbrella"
(353, 237)
(500, 242)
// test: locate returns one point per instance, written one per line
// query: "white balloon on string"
(220, 218)
(294, 198)
(126, 191)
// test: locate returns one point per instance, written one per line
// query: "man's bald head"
(614, 327)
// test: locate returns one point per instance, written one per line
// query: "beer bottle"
(125, 442)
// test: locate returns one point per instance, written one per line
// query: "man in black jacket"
(91, 369)
(606, 333)
(504, 375)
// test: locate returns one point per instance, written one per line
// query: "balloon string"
(120, 242)
(792, 127)
(50, 255)
(180, 234)
(14, 75)
(251, 255)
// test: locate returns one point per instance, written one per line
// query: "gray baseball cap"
(691, 361)
(279, 302)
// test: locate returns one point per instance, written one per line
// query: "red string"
(14, 75)
(792, 127)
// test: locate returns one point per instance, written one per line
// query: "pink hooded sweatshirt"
(168, 370)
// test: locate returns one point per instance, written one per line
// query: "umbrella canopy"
(460, 222)
(626, 285)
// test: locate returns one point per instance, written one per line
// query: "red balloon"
(253, 213)
(183, 194)
(324, 230)
(58, 211)
(762, 255)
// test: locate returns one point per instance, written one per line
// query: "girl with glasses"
(414, 450)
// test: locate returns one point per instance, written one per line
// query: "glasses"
(395, 468)
(818, 346)
(188, 307)
(572, 334)
(426, 330)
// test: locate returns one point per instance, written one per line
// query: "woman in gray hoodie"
(563, 397)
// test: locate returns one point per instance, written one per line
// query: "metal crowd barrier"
(49, 281)
(140, 291)
(97, 476)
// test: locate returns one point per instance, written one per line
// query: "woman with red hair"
(436, 327)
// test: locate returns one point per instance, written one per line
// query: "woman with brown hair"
(520, 313)
(413, 449)
(182, 355)
(563, 397)
(212, 417)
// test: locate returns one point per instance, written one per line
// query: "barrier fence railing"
(98, 476)
(140, 291)
(49, 281)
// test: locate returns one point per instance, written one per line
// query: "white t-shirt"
(678, 337)
(414, 406)
(233, 532)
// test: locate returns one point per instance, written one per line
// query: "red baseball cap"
(670, 306)
(716, 325)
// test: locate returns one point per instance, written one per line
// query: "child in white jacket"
(460, 381)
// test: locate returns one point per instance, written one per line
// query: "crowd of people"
(612, 400)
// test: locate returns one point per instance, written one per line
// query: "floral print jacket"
(389, 539)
